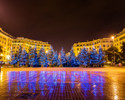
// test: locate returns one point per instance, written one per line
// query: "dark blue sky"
(62, 22)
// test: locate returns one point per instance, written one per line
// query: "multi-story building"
(26, 44)
(6, 44)
(119, 39)
(105, 43)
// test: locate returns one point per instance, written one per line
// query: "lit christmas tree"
(50, 56)
(46, 62)
(63, 58)
(93, 57)
(31, 56)
(42, 57)
(36, 59)
(14, 58)
(84, 57)
(72, 59)
(55, 61)
(101, 57)
(19, 56)
(24, 58)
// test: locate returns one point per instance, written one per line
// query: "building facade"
(105, 43)
(9, 44)
(26, 44)
(119, 39)
(6, 44)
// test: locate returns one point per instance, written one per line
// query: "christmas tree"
(50, 56)
(14, 58)
(63, 58)
(36, 59)
(73, 62)
(19, 56)
(55, 61)
(93, 57)
(46, 62)
(31, 56)
(24, 58)
(101, 57)
(42, 57)
(84, 57)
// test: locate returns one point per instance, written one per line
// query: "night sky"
(62, 22)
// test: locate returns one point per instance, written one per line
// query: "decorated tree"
(83, 57)
(19, 53)
(42, 57)
(31, 56)
(101, 57)
(93, 57)
(36, 59)
(24, 58)
(46, 62)
(73, 62)
(14, 58)
(55, 61)
(63, 58)
(50, 56)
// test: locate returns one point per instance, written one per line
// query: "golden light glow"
(1, 76)
(1, 54)
(46, 51)
(112, 37)
(8, 57)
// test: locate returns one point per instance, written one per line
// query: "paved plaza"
(62, 83)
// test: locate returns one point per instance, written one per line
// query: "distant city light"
(8, 57)
(112, 37)
(46, 51)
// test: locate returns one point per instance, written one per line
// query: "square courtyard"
(62, 83)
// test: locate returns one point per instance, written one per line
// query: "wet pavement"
(62, 85)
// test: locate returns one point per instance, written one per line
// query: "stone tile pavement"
(62, 85)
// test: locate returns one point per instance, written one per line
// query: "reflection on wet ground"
(62, 85)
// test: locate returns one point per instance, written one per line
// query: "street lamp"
(112, 37)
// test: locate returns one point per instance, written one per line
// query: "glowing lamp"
(46, 51)
(112, 37)
(8, 57)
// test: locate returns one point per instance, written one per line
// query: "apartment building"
(105, 43)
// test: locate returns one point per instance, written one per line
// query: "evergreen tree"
(31, 56)
(72, 59)
(50, 56)
(36, 59)
(46, 62)
(24, 58)
(100, 57)
(14, 58)
(93, 57)
(63, 58)
(19, 60)
(55, 61)
(42, 57)
(83, 57)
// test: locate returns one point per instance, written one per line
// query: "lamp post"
(112, 37)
